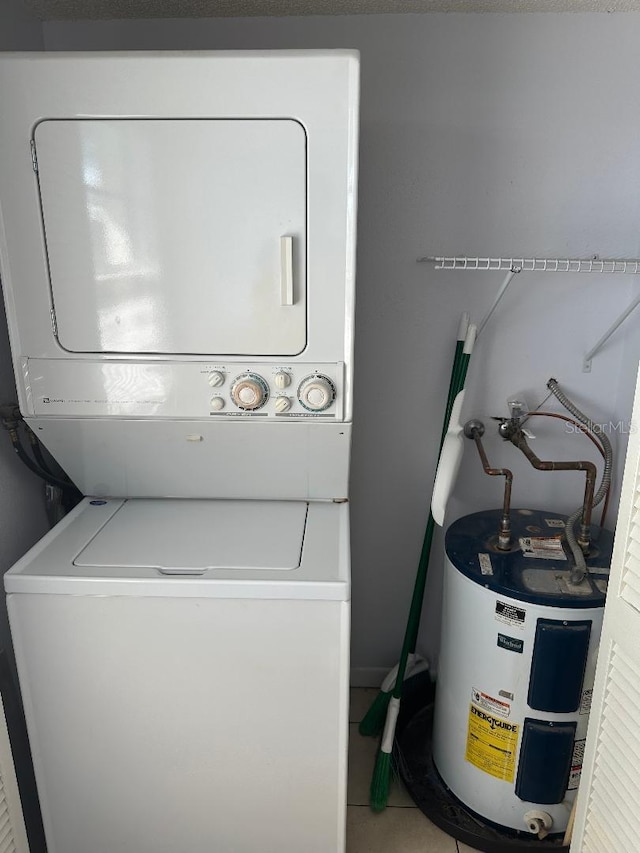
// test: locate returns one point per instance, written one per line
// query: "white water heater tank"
(517, 664)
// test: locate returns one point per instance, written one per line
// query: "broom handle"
(458, 378)
(462, 334)
(415, 610)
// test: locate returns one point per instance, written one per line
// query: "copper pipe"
(591, 438)
(519, 441)
(504, 535)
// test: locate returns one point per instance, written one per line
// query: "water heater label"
(542, 547)
(496, 706)
(576, 764)
(485, 564)
(510, 614)
(585, 701)
(492, 744)
(511, 644)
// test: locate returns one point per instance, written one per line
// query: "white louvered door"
(608, 811)
(13, 838)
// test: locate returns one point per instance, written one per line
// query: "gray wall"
(19, 30)
(481, 134)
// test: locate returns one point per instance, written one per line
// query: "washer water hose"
(36, 449)
(579, 571)
(24, 458)
(11, 419)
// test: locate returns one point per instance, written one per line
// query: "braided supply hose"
(579, 571)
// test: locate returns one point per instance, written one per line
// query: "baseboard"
(368, 676)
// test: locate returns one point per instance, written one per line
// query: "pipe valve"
(538, 823)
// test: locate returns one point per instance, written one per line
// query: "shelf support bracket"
(586, 366)
(501, 292)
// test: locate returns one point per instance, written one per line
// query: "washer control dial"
(316, 393)
(282, 380)
(216, 404)
(249, 392)
(216, 379)
(283, 404)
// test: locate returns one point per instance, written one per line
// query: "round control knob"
(283, 404)
(282, 380)
(249, 392)
(316, 393)
(216, 379)
(216, 404)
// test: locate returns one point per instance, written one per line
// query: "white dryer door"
(175, 236)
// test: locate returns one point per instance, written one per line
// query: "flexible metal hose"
(580, 569)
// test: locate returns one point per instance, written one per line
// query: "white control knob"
(283, 404)
(216, 379)
(316, 393)
(282, 380)
(216, 404)
(249, 392)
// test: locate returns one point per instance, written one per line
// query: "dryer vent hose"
(580, 569)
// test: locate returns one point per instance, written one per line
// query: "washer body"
(184, 671)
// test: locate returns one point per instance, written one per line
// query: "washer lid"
(191, 536)
(192, 548)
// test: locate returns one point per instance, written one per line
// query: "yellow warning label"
(491, 744)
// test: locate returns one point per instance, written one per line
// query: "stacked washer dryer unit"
(177, 242)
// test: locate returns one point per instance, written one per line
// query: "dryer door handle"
(286, 271)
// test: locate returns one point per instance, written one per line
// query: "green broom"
(373, 721)
(381, 781)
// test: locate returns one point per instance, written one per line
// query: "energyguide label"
(492, 744)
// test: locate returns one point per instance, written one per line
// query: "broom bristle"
(380, 782)
(373, 721)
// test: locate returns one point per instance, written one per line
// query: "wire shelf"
(595, 265)
(517, 265)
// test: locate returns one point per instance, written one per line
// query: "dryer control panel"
(159, 389)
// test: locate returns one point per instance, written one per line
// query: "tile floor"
(401, 827)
